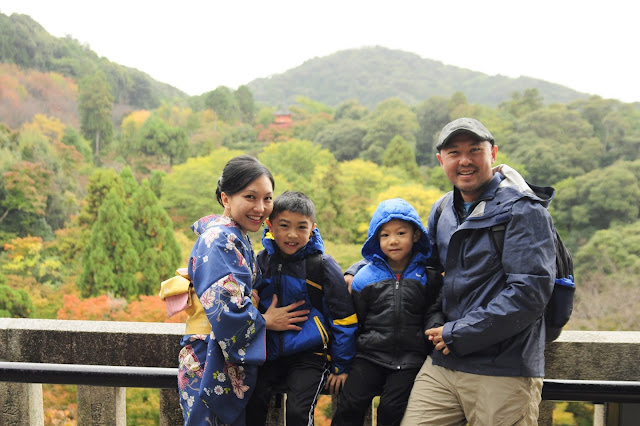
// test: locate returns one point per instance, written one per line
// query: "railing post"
(21, 404)
(277, 410)
(545, 418)
(600, 415)
(170, 411)
(99, 406)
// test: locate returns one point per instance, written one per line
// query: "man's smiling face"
(467, 163)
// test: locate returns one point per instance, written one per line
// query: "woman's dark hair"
(239, 172)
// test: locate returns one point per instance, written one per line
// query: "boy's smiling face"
(291, 231)
(396, 241)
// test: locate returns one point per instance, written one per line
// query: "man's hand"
(284, 318)
(335, 382)
(435, 335)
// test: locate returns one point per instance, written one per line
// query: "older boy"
(320, 353)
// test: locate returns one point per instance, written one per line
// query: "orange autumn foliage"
(322, 412)
(105, 308)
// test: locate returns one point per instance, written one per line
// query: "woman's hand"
(286, 317)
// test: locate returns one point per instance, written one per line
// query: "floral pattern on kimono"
(217, 372)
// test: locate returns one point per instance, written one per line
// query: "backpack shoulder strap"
(439, 209)
(564, 261)
(497, 233)
(315, 279)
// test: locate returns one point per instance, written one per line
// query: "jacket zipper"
(279, 290)
(323, 334)
(396, 318)
(396, 313)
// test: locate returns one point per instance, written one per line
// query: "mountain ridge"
(369, 74)
(375, 73)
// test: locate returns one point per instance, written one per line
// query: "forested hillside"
(374, 74)
(96, 200)
(29, 46)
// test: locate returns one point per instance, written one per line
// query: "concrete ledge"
(90, 342)
(594, 355)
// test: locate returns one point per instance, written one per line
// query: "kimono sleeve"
(222, 268)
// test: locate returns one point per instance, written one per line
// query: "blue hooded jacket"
(330, 330)
(391, 312)
(494, 301)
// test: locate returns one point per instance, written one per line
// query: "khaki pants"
(443, 397)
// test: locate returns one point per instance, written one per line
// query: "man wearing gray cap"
(488, 362)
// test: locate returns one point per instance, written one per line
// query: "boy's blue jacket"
(331, 331)
(391, 312)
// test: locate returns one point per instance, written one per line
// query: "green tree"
(597, 200)
(242, 136)
(154, 241)
(351, 109)
(246, 105)
(159, 138)
(296, 162)
(188, 192)
(73, 138)
(400, 154)
(14, 303)
(99, 185)
(155, 182)
(612, 250)
(554, 143)
(110, 259)
(359, 183)
(391, 117)
(343, 138)
(24, 191)
(522, 104)
(433, 115)
(129, 183)
(95, 103)
(223, 103)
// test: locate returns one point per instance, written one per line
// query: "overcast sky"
(198, 45)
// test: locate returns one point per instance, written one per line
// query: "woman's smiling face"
(250, 206)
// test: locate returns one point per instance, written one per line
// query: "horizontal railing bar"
(165, 378)
(93, 375)
(591, 390)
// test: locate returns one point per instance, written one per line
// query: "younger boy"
(320, 353)
(391, 298)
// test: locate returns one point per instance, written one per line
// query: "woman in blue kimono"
(225, 341)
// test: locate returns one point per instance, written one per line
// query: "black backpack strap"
(315, 279)
(439, 209)
(497, 233)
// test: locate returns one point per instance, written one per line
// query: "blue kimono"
(220, 357)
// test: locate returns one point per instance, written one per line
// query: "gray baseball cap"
(464, 125)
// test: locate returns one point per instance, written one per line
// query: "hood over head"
(395, 208)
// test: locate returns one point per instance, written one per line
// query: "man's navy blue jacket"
(493, 300)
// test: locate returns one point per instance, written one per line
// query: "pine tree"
(95, 103)
(129, 182)
(154, 240)
(100, 183)
(110, 260)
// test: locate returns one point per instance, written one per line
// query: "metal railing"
(596, 391)
(103, 358)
